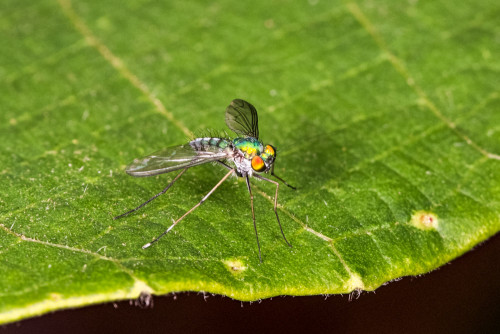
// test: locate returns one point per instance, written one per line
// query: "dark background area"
(460, 297)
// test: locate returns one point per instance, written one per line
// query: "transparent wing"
(241, 117)
(174, 158)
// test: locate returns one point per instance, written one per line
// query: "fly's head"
(264, 161)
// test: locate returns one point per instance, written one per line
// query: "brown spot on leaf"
(424, 220)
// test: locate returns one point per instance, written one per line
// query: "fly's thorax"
(201, 144)
(250, 147)
(261, 157)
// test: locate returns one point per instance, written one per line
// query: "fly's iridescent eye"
(269, 150)
(258, 164)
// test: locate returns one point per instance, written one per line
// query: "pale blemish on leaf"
(424, 220)
(235, 266)
(55, 296)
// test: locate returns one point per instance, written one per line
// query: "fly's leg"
(224, 164)
(251, 205)
(284, 182)
(279, 178)
(154, 197)
(190, 210)
(229, 167)
(275, 203)
(253, 216)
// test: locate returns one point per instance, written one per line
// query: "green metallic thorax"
(249, 146)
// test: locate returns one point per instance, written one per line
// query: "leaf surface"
(386, 117)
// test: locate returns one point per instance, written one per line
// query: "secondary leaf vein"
(398, 64)
(118, 63)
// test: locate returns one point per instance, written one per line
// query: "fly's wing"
(241, 117)
(174, 158)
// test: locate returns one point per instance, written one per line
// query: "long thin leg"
(251, 205)
(224, 164)
(253, 216)
(190, 210)
(279, 178)
(275, 203)
(154, 197)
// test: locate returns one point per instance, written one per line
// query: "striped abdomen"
(209, 143)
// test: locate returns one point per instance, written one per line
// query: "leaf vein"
(118, 64)
(401, 68)
(312, 231)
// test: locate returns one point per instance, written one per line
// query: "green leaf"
(386, 117)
